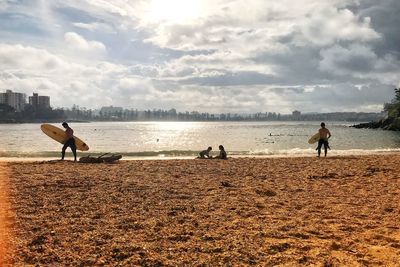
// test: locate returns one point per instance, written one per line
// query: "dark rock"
(390, 123)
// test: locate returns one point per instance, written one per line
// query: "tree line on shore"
(30, 114)
(8, 114)
(392, 120)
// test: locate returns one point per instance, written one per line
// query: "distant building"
(111, 110)
(39, 102)
(34, 100)
(15, 100)
(3, 98)
(296, 114)
(44, 101)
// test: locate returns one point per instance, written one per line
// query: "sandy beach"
(337, 211)
(5, 230)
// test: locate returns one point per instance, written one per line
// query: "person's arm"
(329, 134)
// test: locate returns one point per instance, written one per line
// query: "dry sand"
(341, 211)
(5, 217)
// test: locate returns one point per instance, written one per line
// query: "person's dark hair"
(322, 124)
(64, 124)
(209, 148)
(221, 147)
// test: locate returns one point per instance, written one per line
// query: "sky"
(238, 56)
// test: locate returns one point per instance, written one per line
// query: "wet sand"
(338, 211)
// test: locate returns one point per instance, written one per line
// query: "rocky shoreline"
(390, 123)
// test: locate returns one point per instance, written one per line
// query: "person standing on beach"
(324, 135)
(69, 141)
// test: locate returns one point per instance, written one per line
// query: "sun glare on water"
(174, 11)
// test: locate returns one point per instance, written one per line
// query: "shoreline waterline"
(156, 158)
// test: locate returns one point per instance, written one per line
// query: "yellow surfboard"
(60, 136)
(314, 138)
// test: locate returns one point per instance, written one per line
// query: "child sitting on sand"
(205, 153)
(222, 153)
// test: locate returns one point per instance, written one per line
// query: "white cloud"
(327, 25)
(28, 69)
(77, 41)
(3, 5)
(29, 59)
(95, 26)
(208, 55)
(241, 26)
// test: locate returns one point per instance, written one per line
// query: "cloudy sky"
(206, 55)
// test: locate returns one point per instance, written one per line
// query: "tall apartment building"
(39, 101)
(15, 100)
(44, 101)
(296, 115)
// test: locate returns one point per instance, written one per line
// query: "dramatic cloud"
(231, 56)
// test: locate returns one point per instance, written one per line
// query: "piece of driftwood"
(107, 158)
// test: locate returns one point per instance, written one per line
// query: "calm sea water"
(180, 139)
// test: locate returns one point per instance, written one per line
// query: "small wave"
(311, 151)
(52, 154)
(192, 153)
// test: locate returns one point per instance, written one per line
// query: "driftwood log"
(107, 158)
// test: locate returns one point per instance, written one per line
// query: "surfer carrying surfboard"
(69, 141)
(324, 135)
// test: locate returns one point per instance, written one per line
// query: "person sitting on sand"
(69, 141)
(205, 153)
(222, 153)
(324, 135)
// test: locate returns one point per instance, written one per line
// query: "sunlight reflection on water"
(187, 138)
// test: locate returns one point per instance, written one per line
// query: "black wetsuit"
(323, 142)
(222, 154)
(69, 143)
(205, 153)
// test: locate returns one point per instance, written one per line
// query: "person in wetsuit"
(222, 153)
(205, 153)
(69, 141)
(324, 135)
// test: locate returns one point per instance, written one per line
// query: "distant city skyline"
(210, 56)
(18, 101)
(14, 108)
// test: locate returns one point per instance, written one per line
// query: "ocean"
(186, 139)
